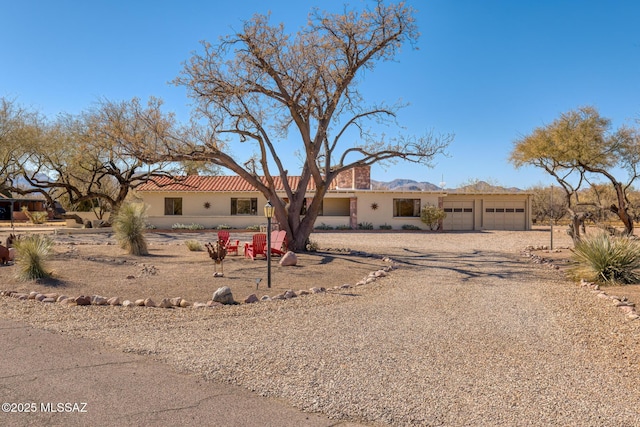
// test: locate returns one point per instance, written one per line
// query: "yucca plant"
(607, 259)
(31, 253)
(193, 245)
(129, 226)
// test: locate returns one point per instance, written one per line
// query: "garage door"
(459, 216)
(504, 215)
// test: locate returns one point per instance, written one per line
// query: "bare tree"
(255, 87)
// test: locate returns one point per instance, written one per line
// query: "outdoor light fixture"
(268, 213)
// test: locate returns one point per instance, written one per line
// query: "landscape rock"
(199, 305)
(139, 302)
(83, 300)
(251, 299)
(289, 294)
(48, 300)
(165, 303)
(149, 303)
(128, 303)
(175, 301)
(289, 259)
(184, 303)
(114, 301)
(223, 295)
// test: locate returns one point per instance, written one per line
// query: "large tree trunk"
(622, 210)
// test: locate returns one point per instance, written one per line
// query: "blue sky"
(488, 71)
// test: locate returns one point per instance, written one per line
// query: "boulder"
(289, 259)
(223, 295)
(114, 301)
(149, 303)
(165, 303)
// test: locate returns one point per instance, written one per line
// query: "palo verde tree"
(80, 158)
(260, 88)
(578, 148)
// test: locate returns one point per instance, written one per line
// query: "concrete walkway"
(66, 381)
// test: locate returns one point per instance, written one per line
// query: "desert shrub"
(192, 226)
(193, 245)
(311, 246)
(365, 226)
(385, 226)
(129, 225)
(223, 227)
(432, 215)
(410, 227)
(253, 228)
(31, 253)
(38, 217)
(323, 226)
(343, 227)
(606, 259)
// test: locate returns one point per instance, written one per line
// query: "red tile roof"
(197, 183)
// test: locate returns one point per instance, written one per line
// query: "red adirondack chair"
(257, 247)
(278, 242)
(230, 245)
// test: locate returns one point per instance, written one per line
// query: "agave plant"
(129, 226)
(607, 259)
(31, 254)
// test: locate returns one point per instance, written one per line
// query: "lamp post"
(268, 213)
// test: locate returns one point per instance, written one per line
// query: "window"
(173, 206)
(244, 206)
(406, 207)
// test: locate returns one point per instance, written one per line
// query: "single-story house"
(216, 200)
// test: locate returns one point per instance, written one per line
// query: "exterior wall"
(194, 210)
(383, 214)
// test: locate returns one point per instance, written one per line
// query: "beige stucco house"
(215, 200)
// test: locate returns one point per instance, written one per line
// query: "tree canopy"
(580, 148)
(260, 88)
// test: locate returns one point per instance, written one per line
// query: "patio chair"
(278, 242)
(256, 247)
(230, 245)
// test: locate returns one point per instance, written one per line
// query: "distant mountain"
(411, 185)
(404, 185)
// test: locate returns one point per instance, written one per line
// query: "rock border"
(627, 307)
(179, 302)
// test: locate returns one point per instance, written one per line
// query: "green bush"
(606, 259)
(432, 215)
(365, 226)
(223, 227)
(31, 254)
(192, 226)
(385, 226)
(323, 226)
(253, 228)
(343, 227)
(193, 245)
(129, 225)
(410, 227)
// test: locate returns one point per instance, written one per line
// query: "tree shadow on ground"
(470, 265)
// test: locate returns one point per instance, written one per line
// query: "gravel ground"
(465, 332)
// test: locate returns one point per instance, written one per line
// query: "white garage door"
(459, 216)
(504, 215)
